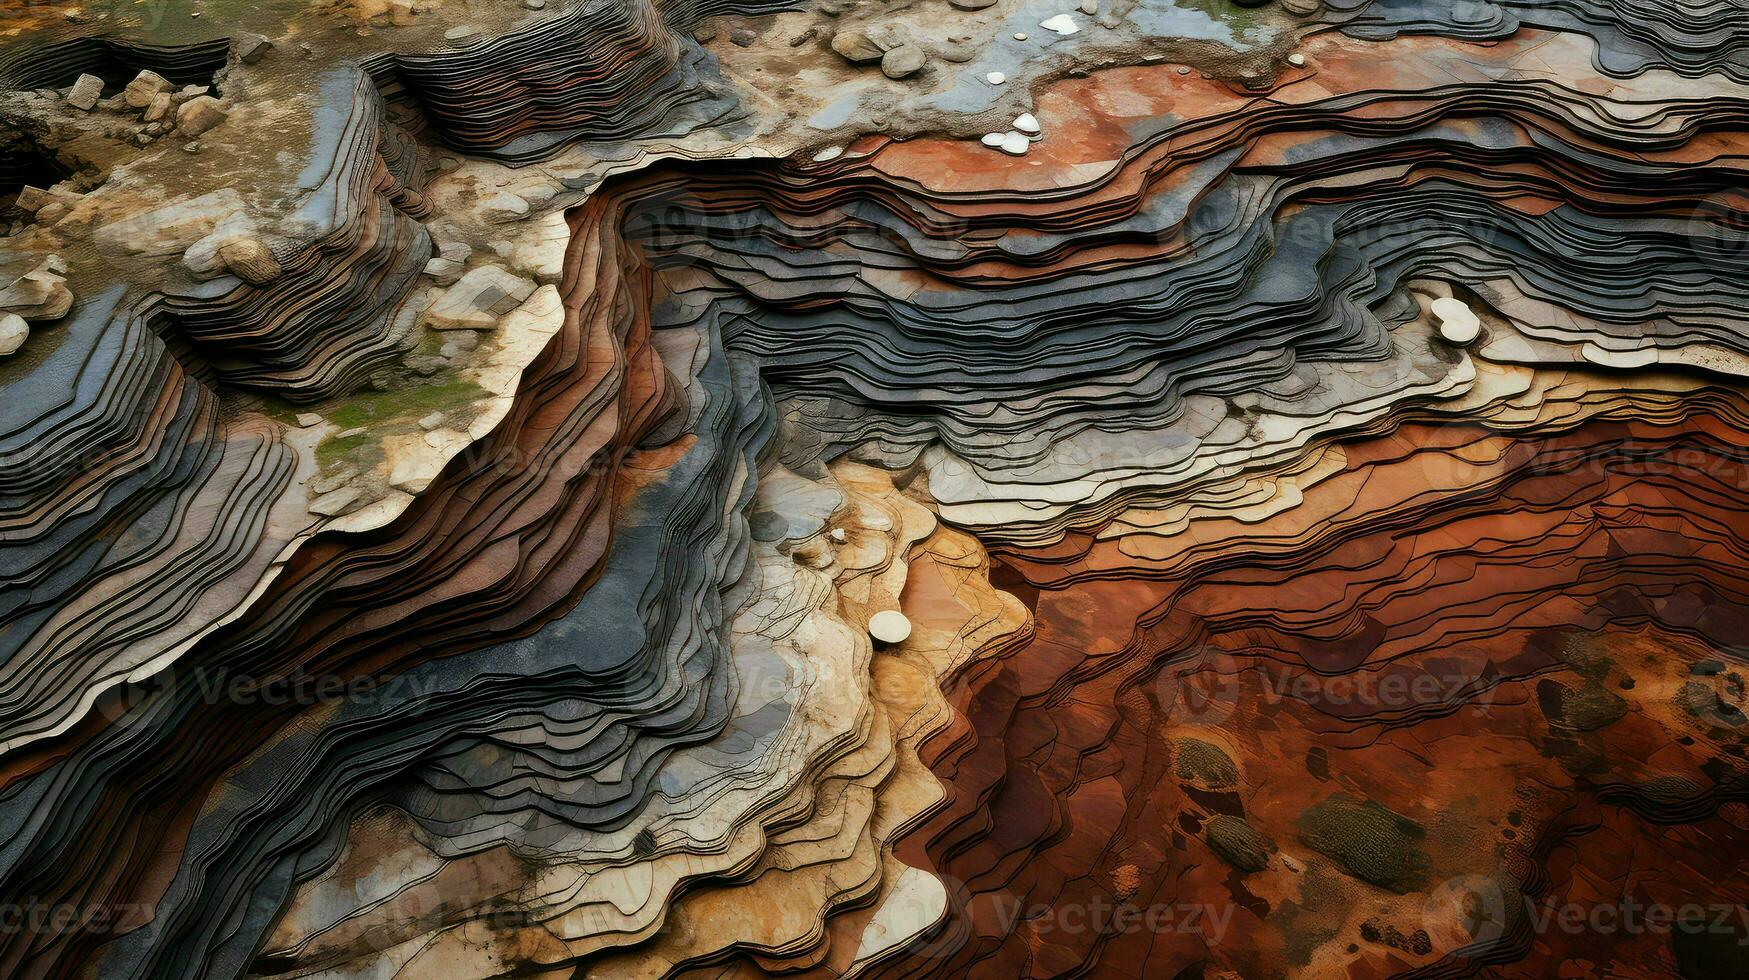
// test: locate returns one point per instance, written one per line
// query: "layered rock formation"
(616, 488)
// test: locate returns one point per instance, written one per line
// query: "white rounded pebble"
(1457, 323)
(1026, 123)
(1015, 144)
(995, 78)
(1020, 37)
(1063, 24)
(993, 139)
(13, 333)
(1296, 59)
(889, 626)
(829, 153)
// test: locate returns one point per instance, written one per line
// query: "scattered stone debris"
(307, 419)
(432, 421)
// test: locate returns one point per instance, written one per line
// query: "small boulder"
(478, 299)
(13, 333)
(146, 85)
(250, 260)
(307, 419)
(856, 48)
(972, 4)
(159, 107)
(198, 115)
(32, 199)
(903, 61)
(251, 48)
(444, 270)
(85, 92)
(742, 38)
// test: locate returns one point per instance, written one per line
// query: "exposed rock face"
(619, 489)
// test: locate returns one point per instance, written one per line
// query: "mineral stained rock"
(630, 488)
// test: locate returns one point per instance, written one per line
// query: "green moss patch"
(412, 404)
(1238, 843)
(1369, 841)
(1204, 763)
